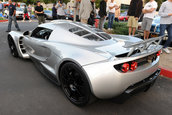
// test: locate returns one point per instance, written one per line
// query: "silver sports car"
(87, 62)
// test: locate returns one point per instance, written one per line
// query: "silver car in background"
(19, 13)
(87, 62)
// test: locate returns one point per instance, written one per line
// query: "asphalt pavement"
(25, 91)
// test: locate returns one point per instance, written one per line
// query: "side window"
(41, 33)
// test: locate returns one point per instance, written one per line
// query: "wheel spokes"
(73, 84)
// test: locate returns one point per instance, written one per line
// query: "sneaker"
(30, 20)
(170, 48)
(166, 50)
(109, 29)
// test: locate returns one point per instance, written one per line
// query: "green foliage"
(98, 3)
(119, 28)
(1, 18)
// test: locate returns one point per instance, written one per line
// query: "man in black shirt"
(134, 12)
(39, 10)
(92, 14)
(102, 13)
(12, 16)
(54, 11)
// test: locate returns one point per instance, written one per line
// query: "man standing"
(40, 12)
(1, 7)
(85, 10)
(60, 9)
(77, 10)
(54, 12)
(112, 7)
(149, 12)
(102, 13)
(12, 16)
(117, 14)
(92, 14)
(134, 12)
(166, 22)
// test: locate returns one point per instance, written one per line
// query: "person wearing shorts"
(149, 13)
(134, 12)
(26, 14)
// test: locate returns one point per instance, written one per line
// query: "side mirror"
(26, 33)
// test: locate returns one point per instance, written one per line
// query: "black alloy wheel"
(12, 47)
(75, 84)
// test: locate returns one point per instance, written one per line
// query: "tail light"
(125, 67)
(133, 66)
(158, 53)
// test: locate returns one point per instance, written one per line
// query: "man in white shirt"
(112, 7)
(60, 9)
(149, 13)
(85, 10)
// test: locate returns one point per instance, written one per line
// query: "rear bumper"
(106, 82)
(146, 83)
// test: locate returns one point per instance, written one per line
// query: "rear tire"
(12, 47)
(75, 84)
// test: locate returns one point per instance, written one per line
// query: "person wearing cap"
(39, 10)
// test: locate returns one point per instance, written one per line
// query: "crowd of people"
(86, 13)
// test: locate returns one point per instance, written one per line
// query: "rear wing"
(144, 45)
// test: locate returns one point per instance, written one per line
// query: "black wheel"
(75, 84)
(12, 47)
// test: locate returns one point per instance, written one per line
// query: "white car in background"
(22, 5)
(19, 13)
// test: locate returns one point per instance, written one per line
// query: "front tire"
(75, 84)
(12, 47)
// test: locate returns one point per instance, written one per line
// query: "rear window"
(93, 37)
(81, 33)
(96, 35)
(75, 29)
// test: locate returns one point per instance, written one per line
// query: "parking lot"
(25, 91)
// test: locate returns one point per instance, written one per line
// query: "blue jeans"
(10, 19)
(167, 27)
(111, 19)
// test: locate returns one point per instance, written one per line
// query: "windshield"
(19, 9)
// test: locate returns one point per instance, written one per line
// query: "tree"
(98, 3)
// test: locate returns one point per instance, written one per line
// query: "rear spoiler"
(143, 45)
